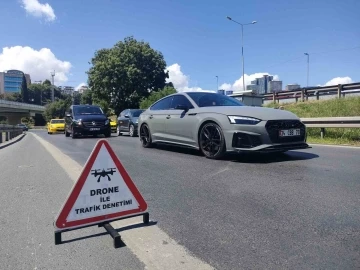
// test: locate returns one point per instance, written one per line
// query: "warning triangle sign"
(103, 192)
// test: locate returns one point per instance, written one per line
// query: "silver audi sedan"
(216, 124)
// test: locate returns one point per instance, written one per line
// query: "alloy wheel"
(211, 140)
(145, 136)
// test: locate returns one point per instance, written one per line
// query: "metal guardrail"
(304, 93)
(332, 122)
(10, 132)
(20, 104)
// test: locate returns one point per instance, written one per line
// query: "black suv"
(86, 120)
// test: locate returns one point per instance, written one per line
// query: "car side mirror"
(182, 107)
(68, 115)
(127, 116)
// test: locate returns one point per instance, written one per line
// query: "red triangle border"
(61, 222)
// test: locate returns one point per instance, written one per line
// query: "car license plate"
(94, 129)
(289, 132)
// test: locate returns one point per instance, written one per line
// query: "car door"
(180, 124)
(156, 118)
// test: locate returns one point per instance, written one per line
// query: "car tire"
(212, 141)
(145, 136)
(118, 131)
(107, 134)
(132, 131)
(67, 134)
(73, 134)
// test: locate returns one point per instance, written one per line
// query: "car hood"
(91, 117)
(248, 111)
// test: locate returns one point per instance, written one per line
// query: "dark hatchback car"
(23, 126)
(128, 121)
(86, 120)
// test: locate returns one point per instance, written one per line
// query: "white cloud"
(339, 80)
(38, 64)
(180, 80)
(34, 8)
(80, 85)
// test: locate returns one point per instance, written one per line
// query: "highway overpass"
(14, 111)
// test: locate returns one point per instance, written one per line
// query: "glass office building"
(11, 81)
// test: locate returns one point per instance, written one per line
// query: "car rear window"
(57, 121)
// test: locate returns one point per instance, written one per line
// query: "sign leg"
(57, 238)
(114, 234)
(146, 218)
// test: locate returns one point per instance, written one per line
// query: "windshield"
(213, 99)
(87, 110)
(57, 121)
(136, 113)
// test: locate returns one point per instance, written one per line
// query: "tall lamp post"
(217, 83)
(242, 45)
(307, 79)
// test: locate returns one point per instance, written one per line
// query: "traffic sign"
(103, 192)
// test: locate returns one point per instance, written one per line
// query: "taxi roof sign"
(103, 192)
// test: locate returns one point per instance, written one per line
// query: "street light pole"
(242, 46)
(217, 83)
(307, 79)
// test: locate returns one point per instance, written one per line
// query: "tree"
(36, 93)
(12, 97)
(57, 109)
(47, 82)
(76, 98)
(24, 90)
(86, 97)
(124, 74)
(155, 96)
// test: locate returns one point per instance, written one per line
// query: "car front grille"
(93, 124)
(274, 126)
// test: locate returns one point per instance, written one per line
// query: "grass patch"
(328, 108)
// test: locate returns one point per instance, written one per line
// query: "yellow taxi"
(113, 126)
(56, 125)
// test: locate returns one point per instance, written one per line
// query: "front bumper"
(113, 129)
(55, 130)
(264, 137)
(81, 130)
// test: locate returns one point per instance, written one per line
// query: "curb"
(15, 140)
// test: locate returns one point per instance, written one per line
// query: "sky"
(196, 39)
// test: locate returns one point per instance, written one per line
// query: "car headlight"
(107, 122)
(243, 120)
(78, 122)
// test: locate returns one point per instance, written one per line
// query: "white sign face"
(104, 191)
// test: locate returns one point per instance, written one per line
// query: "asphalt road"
(299, 210)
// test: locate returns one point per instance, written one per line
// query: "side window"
(162, 105)
(181, 100)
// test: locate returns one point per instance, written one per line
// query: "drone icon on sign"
(103, 173)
